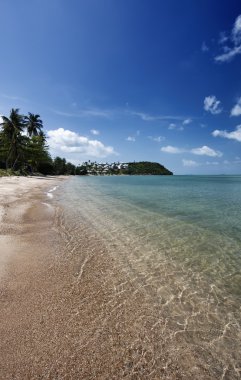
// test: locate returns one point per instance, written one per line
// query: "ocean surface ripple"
(176, 245)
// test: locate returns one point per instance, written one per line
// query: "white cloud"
(222, 38)
(202, 151)
(204, 47)
(235, 38)
(233, 162)
(95, 132)
(171, 149)
(64, 141)
(215, 163)
(131, 138)
(144, 116)
(234, 135)
(212, 104)
(134, 136)
(147, 117)
(13, 97)
(236, 110)
(173, 126)
(157, 139)
(236, 32)
(206, 151)
(88, 112)
(190, 163)
(227, 57)
(187, 121)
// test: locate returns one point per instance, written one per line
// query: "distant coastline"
(92, 168)
(125, 168)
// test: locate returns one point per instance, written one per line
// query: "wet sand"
(72, 311)
(28, 245)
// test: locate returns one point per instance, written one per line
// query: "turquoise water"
(209, 202)
(180, 236)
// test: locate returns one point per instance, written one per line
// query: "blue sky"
(124, 80)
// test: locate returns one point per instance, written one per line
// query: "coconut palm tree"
(37, 151)
(13, 124)
(12, 127)
(33, 124)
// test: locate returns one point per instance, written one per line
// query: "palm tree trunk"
(8, 158)
(15, 162)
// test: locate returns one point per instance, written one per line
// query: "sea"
(179, 238)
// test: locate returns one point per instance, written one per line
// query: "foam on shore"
(49, 193)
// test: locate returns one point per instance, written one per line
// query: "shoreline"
(63, 308)
(76, 308)
(17, 195)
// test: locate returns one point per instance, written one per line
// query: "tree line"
(24, 149)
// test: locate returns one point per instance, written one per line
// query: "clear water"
(179, 237)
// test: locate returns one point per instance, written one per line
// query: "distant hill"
(147, 168)
(124, 168)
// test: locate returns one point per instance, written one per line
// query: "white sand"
(15, 199)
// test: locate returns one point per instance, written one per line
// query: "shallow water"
(178, 240)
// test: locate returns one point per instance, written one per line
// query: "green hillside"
(146, 167)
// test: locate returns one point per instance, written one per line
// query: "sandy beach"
(28, 244)
(71, 309)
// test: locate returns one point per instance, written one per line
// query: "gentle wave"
(49, 193)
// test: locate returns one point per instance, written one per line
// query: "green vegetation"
(23, 147)
(24, 150)
(9, 173)
(22, 143)
(128, 168)
(145, 168)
